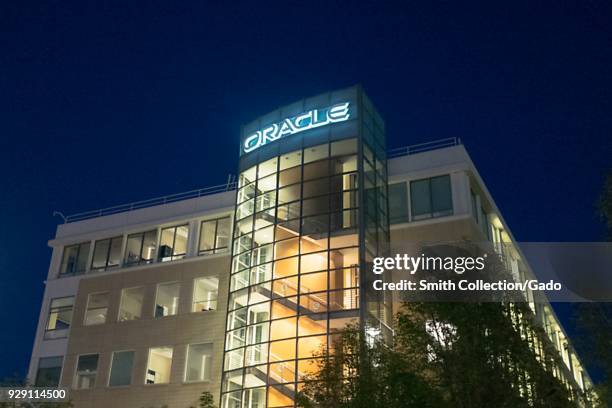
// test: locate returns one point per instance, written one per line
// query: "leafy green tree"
(443, 355)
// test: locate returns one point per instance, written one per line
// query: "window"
(173, 243)
(398, 203)
(214, 235)
(140, 248)
(107, 253)
(74, 259)
(485, 223)
(431, 197)
(121, 368)
(49, 371)
(166, 299)
(97, 309)
(158, 365)
(474, 202)
(198, 362)
(87, 369)
(131, 304)
(60, 317)
(205, 291)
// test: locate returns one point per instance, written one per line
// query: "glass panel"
(121, 368)
(316, 153)
(131, 304)
(100, 254)
(207, 235)
(49, 371)
(223, 233)
(205, 292)
(420, 200)
(159, 365)
(114, 256)
(149, 245)
(167, 299)
(247, 176)
(180, 241)
(267, 167)
(69, 259)
(288, 194)
(290, 176)
(133, 247)
(344, 147)
(166, 244)
(290, 160)
(97, 309)
(60, 314)
(199, 359)
(316, 170)
(398, 203)
(441, 195)
(283, 328)
(87, 369)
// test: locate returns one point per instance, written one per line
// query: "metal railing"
(152, 202)
(232, 184)
(423, 147)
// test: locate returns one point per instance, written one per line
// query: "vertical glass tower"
(311, 213)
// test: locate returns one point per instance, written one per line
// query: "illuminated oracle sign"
(304, 121)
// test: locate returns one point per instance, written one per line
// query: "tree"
(443, 355)
(206, 400)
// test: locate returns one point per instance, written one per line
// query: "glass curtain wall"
(295, 269)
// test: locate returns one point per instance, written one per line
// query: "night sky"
(117, 102)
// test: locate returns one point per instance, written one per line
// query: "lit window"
(131, 304)
(74, 259)
(214, 235)
(198, 362)
(166, 299)
(431, 197)
(49, 371)
(60, 317)
(159, 365)
(205, 291)
(97, 309)
(107, 253)
(173, 243)
(87, 369)
(121, 368)
(140, 248)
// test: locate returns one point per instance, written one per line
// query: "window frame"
(187, 353)
(193, 299)
(173, 256)
(142, 235)
(89, 295)
(76, 371)
(108, 254)
(110, 368)
(74, 272)
(58, 309)
(149, 349)
(157, 285)
(215, 249)
(432, 212)
(59, 379)
(121, 303)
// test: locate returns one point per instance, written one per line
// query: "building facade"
(232, 289)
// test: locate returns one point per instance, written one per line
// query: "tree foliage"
(444, 355)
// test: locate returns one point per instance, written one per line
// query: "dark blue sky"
(115, 102)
